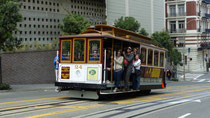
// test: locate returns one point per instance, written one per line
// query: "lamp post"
(184, 51)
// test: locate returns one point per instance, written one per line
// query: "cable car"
(83, 61)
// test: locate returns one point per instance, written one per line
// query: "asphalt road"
(178, 100)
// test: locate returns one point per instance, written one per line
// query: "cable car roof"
(111, 32)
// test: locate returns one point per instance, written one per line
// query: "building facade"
(40, 28)
(149, 13)
(188, 22)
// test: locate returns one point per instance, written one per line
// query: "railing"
(181, 30)
(172, 30)
(207, 15)
(207, 30)
(176, 30)
(175, 0)
(176, 14)
(171, 15)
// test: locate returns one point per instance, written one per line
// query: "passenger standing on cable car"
(108, 67)
(129, 57)
(137, 72)
(56, 63)
(118, 69)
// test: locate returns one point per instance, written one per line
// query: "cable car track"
(36, 107)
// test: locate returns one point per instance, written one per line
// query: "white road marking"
(183, 116)
(180, 101)
(185, 100)
(201, 80)
(197, 77)
(198, 100)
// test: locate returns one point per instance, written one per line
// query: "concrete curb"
(31, 87)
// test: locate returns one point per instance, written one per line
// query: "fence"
(34, 67)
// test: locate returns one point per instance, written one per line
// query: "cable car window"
(66, 50)
(94, 50)
(79, 50)
(150, 55)
(156, 58)
(143, 55)
(161, 59)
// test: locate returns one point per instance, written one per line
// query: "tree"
(163, 39)
(74, 24)
(9, 16)
(128, 23)
(143, 32)
(175, 56)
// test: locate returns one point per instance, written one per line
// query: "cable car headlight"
(78, 73)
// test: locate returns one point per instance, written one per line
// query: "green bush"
(174, 79)
(4, 86)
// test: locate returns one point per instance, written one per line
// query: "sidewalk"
(30, 87)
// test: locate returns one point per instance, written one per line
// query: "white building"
(149, 13)
(188, 23)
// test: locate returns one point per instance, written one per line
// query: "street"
(178, 100)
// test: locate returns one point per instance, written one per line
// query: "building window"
(181, 27)
(156, 58)
(143, 55)
(173, 40)
(150, 57)
(79, 50)
(161, 61)
(173, 26)
(181, 10)
(172, 10)
(181, 42)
